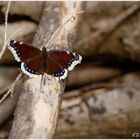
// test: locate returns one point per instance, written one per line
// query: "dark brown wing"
(33, 66)
(29, 56)
(59, 62)
(22, 52)
(55, 69)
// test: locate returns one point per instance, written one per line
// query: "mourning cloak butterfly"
(35, 62)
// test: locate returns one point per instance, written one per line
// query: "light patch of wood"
(44, 106)
(70, 9)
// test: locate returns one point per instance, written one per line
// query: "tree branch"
(108, 110)
(39, 103)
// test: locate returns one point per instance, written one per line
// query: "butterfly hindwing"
(33, 66)
(55, 69)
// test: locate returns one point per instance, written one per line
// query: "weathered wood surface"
(38, 106)
(109, 110)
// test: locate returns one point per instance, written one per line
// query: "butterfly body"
(44, 60)
(35, 62)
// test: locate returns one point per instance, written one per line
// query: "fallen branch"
(38, 108)
(109, 110)
(92, 73)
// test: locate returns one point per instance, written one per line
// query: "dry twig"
(11, 88)
(6, 41)
(5, 31)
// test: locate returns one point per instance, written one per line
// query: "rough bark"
(38, 106)
(109, 110)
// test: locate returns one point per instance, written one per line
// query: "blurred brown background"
(102, 94)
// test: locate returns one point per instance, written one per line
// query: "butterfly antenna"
(61, 27)
(49, 38)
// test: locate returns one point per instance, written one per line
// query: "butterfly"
(36, 62)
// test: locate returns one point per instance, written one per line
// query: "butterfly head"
(44, 49)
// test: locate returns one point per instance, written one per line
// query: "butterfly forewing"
(65, 58)
(23, 52)
(61, 61)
